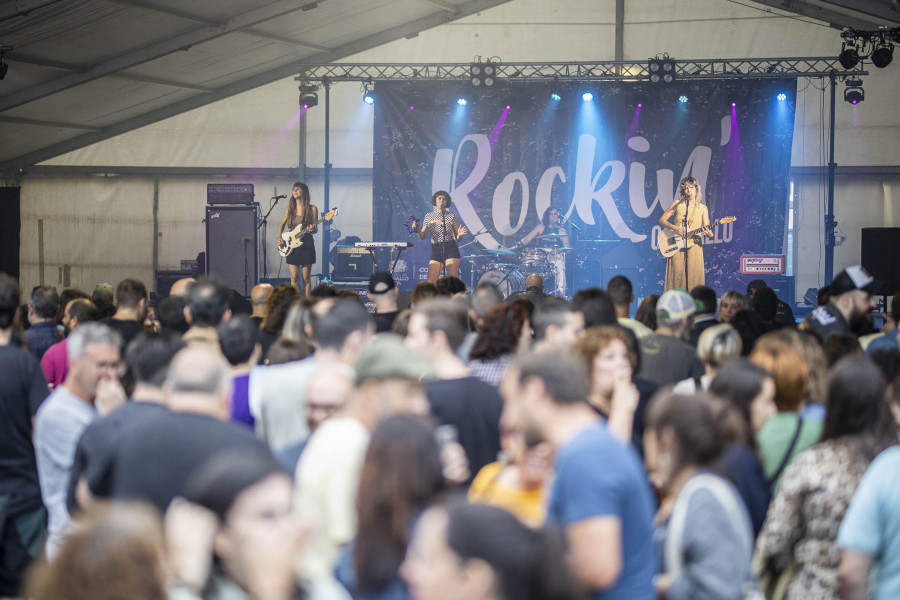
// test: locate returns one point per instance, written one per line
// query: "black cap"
(852, 278)
(381, 282)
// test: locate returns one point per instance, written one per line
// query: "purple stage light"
(411, 107)
(507, 107)
(733, 104)
(639, 105)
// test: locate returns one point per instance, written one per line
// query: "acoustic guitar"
(670, 242)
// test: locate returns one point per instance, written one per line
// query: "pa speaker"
(231, 245)
(880, 256)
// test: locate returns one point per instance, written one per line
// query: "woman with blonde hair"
(717, 345)
(690, 215)
(730, 304)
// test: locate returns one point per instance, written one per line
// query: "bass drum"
(507, 285)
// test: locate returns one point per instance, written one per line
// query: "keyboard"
(369, 245)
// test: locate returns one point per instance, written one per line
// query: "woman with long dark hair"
(401, 475)
(803, 520)
(552, 236)
(235, 535)
(445, 231)
(703, 527)
(688, 210)
(481, 552)
(300, 212)
(499, 334)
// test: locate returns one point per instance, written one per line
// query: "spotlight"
(308, 96)
(883, 55)
(683, 99)
(849, 57)
(662, 70)
(854, 94)
(462, 101)
(368, 93)
(482, 74)
(587, 96)
(733, 104)
(555, 97)
(640, 105)
(781, 97)
(369, 99)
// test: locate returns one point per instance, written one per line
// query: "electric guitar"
(292, 239)
(670, 242)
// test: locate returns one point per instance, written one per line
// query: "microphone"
(279, 197)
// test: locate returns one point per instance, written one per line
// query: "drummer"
(553, 237)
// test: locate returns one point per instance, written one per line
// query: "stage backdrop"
(612, 164)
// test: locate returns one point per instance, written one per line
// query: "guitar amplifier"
(352, 263)
(229, 193)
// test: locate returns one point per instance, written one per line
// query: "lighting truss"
(750, 68)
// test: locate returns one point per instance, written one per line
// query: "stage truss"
(685, 70)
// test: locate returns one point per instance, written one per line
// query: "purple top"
(240, 402)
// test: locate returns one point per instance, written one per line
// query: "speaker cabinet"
(880, 256)
(231, 245)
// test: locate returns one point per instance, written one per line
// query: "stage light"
(555, 97)
(781, 97)
(308, 96)
(587, 96)
(462, 101)
(854, 94)
(411, 107)
(482, 74)
(683, 99)
(507, 107)
(849, 57)
(883, 55)
(640, 105)
(733, 104)
(662, 69)
(368, 93)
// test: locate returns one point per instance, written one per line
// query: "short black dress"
(304, 255)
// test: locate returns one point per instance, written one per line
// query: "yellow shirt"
(528, 505)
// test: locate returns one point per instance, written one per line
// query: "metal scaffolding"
(754, 68)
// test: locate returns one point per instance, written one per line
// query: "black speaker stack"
(232, 241)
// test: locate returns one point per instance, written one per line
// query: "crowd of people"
(469, 446)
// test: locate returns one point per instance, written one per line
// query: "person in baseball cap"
(383, 293)
(849, 306)
(666, 357)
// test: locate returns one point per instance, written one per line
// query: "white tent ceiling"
(81, 71)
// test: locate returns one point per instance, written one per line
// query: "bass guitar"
(670, 242)
(292, 239)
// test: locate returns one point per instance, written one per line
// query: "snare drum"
(534, 257)
(507, 284)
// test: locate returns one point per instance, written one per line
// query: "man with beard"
(849, 305)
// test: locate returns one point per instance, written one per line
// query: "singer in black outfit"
(445, 231)
(300, 211)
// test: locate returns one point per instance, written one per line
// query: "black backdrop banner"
(611, 164)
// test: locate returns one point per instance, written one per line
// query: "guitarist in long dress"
(300, 211)
(689, 201)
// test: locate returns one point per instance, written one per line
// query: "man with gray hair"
(42, 308)
(161, 453)
(91, 388)
(606, 513)
(665, 357)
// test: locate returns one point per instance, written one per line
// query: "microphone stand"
(569, 221)
(444, 244)
(687, 208)
(263, 223)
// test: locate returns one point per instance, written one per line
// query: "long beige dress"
(675, 264)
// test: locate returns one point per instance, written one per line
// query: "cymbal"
(498, 251)
(600, 241)
(552, 235)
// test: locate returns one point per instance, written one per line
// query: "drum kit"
(508, 268)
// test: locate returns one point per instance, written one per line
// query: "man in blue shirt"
(870, 532)
(42, 308)
(600, 495)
